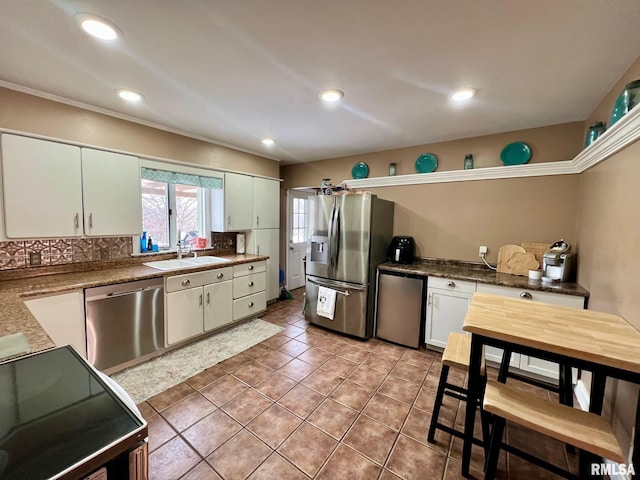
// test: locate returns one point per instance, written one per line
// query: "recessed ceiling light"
(463, 94)
(331, 95)
(98, 27)
(129, 95)
(268, 141)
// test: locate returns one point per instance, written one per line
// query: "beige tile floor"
(310, 403)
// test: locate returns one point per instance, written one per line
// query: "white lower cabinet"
(526, 363)
(198, 302)
(447, 304)
(249, 295)
(62, 317)
(218, 305)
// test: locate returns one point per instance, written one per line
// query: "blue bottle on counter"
(143, 242)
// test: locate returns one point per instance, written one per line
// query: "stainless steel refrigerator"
(348, 238)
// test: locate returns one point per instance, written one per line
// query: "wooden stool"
(584, 430)
(456, 355)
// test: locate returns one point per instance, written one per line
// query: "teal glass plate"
(360, 170)
(516, 153)
(426, 163)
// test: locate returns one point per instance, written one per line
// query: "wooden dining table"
(601, 343)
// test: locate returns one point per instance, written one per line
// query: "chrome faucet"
(179, 249)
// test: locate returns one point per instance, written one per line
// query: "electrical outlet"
(35, 259)
(105, 254)
(482, 251)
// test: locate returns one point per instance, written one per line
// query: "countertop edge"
(486, 276)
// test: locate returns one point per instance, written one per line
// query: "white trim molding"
(623, 133)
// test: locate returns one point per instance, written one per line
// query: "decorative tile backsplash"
(64, 251)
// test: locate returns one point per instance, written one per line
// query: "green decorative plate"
(360, 170)
(426, 163)
(516, 153)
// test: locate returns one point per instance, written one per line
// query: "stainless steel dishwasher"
(125, 321)
(400, 304)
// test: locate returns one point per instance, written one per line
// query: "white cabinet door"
(111, 191)
(232, 207)
(184, 314)
(62, 317)
(267, 242)
(446, 310)
(266, 203)
(218, 305)
(526, 363)
(42, 187)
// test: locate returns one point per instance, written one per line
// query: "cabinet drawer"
(250, 305)
(546, 297)
(452, 285)
(247, 268)
(249, 284)
(198, 279)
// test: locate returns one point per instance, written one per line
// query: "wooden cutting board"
(538, 249)
(504, 255)
(521, 263)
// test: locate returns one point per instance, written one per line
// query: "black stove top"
(55, 413)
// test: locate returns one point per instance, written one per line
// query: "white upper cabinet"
(42, 188)
(232, 207)
(55, 190)
(111, 190)
(266, 203)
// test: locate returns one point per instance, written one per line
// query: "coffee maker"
(558, 263)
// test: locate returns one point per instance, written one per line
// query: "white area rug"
(150, 378)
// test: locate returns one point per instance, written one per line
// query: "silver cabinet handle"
(258, 250)
(208, 298)
(257, 220)
(450, 284)
(91, 220)
(250, 267)
(229, 221)
(220, 275)
(186, 282)
(77, 220)
(251, 284)
(250, 304)
(526, 295)
(200, 299)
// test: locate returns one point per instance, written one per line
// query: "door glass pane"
(300, 220)
(155, 211)
(187, 213)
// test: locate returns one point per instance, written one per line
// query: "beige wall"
(30, 114)
(608, 234)
(451, 220)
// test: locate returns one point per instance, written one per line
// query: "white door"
(266, 203)
(445, 314)
(218, 304)
(297, 233)
(111, 193)
(42, 188)
(268, 243)
(184, 314)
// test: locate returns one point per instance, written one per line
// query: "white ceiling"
(237, 71)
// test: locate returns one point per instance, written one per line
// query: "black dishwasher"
(400, 306)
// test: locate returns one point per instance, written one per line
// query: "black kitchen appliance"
(402, 250)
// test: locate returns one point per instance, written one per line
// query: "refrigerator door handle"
(334, 239)
(335, 285)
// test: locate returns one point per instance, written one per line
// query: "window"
(175, 202)
(300, 220)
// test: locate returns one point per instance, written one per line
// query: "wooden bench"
(456, 355)
(584, 430)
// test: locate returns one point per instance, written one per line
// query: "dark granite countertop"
(477, 272)
(15, 317)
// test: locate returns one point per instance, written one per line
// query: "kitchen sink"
(206, 260)
(176, 264)
(173, 264)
